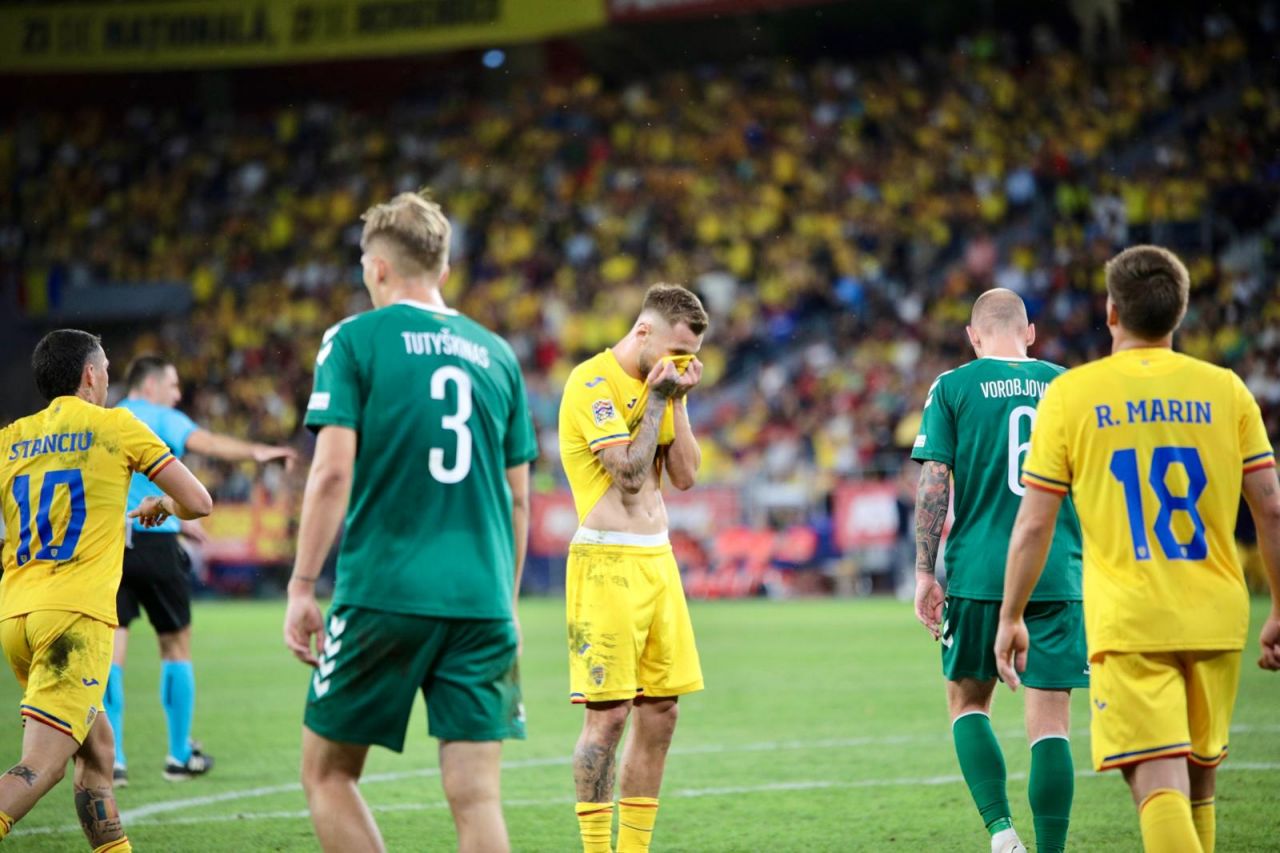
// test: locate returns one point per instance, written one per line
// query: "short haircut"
(142, 367)
(1149, 287)
(677, 305)
(59, 359)
(415, 227)
(999, 308)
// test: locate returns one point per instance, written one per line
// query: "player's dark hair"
(676, 305)
(142, 367)
(1150, 288)
(59, 359)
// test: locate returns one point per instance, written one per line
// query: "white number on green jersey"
(457, 422)
(1017, 447)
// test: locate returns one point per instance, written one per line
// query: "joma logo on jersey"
(594, 382)
(602, 410)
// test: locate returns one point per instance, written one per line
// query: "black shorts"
(157, 578)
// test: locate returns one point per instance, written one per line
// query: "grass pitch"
(823, 728)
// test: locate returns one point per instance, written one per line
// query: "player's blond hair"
(677, 305)
(415, 228)
(1150, 287)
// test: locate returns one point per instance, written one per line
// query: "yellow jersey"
(602, 406)
(64, 479)
(1153, 446)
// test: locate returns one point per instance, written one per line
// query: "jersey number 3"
(1124, 467)
(49, 550)
(456, 422)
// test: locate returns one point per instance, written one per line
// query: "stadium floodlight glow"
(494, 58)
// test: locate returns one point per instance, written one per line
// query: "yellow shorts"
(1149, 705)
(629, 628)
(62, 661)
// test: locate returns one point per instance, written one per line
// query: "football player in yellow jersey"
(623, 425)
(1155, 448)
(64, 478)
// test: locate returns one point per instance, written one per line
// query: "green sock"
(982, 764)
(1051, 788)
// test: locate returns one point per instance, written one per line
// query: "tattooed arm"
(629, 464)
(1263, 494)
(933, 497)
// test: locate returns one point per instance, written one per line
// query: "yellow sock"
(120, 845)
(595, 822)
(1166, 821)
(1206, 821)
(6, 824)
(636, 816)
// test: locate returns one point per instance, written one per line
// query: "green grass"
(840, 700)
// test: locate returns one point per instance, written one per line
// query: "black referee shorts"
(157, 578)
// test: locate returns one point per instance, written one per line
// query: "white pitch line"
(142, 814)
(685, 793)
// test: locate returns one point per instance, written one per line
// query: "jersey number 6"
(49, 550)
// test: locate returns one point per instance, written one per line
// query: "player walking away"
(977, 420)
(64, 474)
(423, 420)
(623, 423)
(1156, 446)
(157, 574)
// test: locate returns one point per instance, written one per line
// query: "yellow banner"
(168, 34)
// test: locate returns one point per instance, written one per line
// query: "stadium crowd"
(837, 219)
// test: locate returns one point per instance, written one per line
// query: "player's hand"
(264, 453)
(1270, 658)
(1011, 651)
(689, 379)
(929, 603)
(151, 512)
(195, 531)
(303, 622)
(664, 379)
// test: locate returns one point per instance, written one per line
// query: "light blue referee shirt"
(174, 428)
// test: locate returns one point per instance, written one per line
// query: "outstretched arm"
(231, 449)
(933, 499)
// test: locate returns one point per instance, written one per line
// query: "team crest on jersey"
(597, 674)
(92, 715)
(602, 410)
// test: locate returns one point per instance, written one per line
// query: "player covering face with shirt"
(623, 430)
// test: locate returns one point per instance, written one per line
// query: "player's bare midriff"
(618, 512)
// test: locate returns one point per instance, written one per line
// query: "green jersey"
(439, 405)
(977, 421)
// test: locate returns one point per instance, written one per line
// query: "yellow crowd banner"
(168, 34)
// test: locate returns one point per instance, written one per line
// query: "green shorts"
(375, 662)
(1057, 659)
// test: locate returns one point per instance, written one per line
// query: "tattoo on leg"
(593, 767)
(99, 816)
(23, 772)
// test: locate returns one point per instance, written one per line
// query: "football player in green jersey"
(423, 446)
(975, 431)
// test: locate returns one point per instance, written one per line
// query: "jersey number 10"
(1124, 467)
(49, 550)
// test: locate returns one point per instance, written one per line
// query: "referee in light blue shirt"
(157, 571)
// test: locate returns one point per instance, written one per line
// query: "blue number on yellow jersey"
(64, 477)
(1152, 446)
